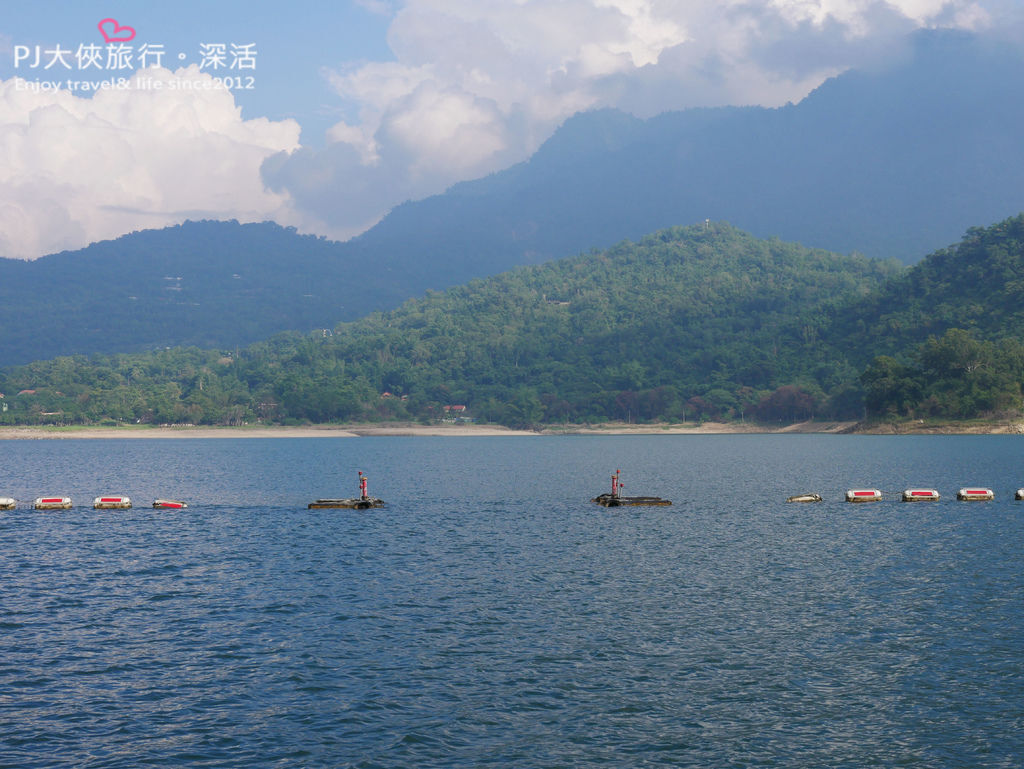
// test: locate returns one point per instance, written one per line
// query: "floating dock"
(355, 503)
(363, 502)
(8, 503)
(607, 500)
(615, 498)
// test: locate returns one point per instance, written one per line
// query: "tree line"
(688, 324)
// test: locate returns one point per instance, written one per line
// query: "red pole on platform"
(362, 485)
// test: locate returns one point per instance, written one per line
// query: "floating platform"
(616, 499)
(357, 503)
(973, 494)
(863, 495)
(8, 503)
(53, 503)
(363, 502)
(112, 503)
(920, 495)
(805, 498)
(172, 504)
(609, 500)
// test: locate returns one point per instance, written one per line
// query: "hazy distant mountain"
(210, 284)
(895, 162)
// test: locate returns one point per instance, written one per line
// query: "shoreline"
(463, 431)
(147, 432)
(403, 430)
(311, 431)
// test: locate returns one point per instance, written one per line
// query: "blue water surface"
(490, 615)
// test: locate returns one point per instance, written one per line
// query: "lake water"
(490, 615)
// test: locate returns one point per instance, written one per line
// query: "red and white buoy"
(362, 486)
(863, 495)
(112, 503)
(920, 495)
(172, 504)
(53, 503)
(975, 494)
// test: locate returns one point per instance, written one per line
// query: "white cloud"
(856, 15)
(164, 148)
(474, 87)
(478, 86)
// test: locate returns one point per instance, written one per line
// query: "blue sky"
(353, 107)
(295, 43)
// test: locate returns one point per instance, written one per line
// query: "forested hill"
(634, 332)
(694, 322)
(976, 285)
(947, 336)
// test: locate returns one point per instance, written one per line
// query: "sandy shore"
(147, 433)
(462, 431)
(356, 431)
(692, 428)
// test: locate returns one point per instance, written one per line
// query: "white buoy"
(53, 503)
(863, 495)
(8, 503)
(1019, 494)
(920, 495)
(112, 503)
(810, 497)
(173, 504)
(974, 494)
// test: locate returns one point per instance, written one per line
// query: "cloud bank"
(473, 88)
(156, 149)
(476, 87)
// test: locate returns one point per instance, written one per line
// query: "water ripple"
(496, 627)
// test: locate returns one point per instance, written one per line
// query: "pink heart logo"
(117, 33)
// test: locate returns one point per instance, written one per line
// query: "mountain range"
(892, 162)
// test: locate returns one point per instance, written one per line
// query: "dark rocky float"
(351, 504)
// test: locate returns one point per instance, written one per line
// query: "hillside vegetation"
(951, 331)
(690, 323)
